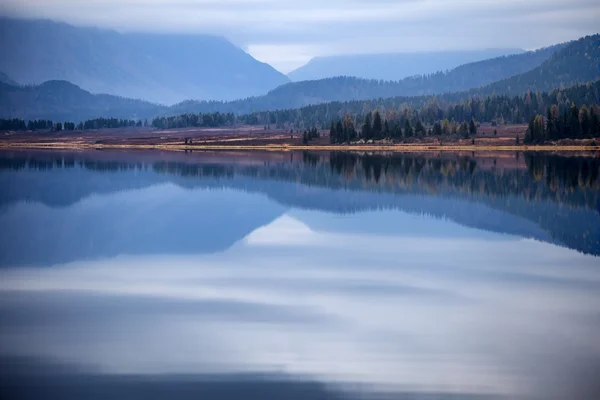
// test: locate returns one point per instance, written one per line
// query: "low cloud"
(286, 33)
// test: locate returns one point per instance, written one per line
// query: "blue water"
(298, 275)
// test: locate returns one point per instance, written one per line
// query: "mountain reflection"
(298, 275)
(547, 197)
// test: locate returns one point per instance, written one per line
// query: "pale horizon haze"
(288, 33)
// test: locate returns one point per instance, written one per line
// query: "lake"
(299, 275)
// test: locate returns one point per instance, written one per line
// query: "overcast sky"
(287, 33)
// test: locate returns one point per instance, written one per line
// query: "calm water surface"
(299, 275)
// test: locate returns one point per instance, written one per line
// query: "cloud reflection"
(460, 314)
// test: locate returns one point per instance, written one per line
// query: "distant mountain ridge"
(559, 66)
(6, 79)
(392, 66)
(577, 62)
(64, 101)
(162, 68)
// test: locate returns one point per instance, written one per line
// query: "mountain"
(391, 66)
(574, 62)
(6, 79)
(562, 65)
(64, 101)
(162, 68)
(578, 62)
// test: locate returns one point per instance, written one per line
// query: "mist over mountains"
(392, 66)
(161, 68)
(61, 72)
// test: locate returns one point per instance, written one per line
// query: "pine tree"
(584, 121)
(367, 132)
(419, 128)
(349, 131)
(445, 127)
(339, 132)
(408, 131)
(594, 123)
(332, 135)
(464, 130)
(472, 128)
(377, 126)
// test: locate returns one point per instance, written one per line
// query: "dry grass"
(288, 147)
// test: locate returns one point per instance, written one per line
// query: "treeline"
(309, 135)
(104, 123)
(12, 124)
(375, 127)
(201, 120)
(16, 124)
(575, 123)
(495, 109)
(406, 117)
(181, 121)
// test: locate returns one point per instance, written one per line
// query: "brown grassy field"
(256, 138)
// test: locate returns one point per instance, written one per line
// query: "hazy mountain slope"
(391, 66)
(6, 79)
(558, 66)
(575, 62)
(64, 101)
(160, 68)
(578, 62)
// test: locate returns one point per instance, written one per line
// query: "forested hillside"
(574, 113)
(398, 117)
(344, 88)
(578, 62)
(63, 101)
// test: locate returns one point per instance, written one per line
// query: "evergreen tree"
(594, 123)
(377, 126)
(445, 127)
(419, 128)
(367, 132)
(349, 131)
(584, 121)
(472, 128)
(464, 130)
(408, 130)
(339, 132)
(333, 139)
(397, 132)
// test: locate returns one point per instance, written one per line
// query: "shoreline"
(286, 147)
